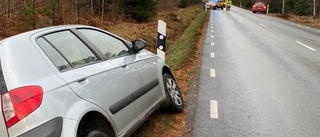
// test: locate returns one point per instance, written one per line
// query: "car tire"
(174, 96)
(97, 133)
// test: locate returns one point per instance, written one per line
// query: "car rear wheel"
(173, 94)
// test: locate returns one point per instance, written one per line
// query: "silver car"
(80, 81)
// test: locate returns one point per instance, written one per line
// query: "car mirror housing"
(138, 45)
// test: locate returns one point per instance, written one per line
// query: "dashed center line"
(212, 43)
(212, 73)
(212, 36)
(306, 46)
(212, 55)
(213, 109)
(263, 25)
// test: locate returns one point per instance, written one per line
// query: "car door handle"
(81, 80)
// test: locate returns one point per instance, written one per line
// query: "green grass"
(182, 51)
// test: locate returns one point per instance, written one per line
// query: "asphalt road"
(260, 76)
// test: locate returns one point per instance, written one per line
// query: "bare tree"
(9, 13)
(102, 10)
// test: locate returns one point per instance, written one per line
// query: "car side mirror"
(138, 45)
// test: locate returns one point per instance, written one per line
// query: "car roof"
(32, 32)
(259, 3)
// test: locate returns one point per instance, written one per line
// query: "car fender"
(77, 111)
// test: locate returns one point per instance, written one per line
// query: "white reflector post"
(162, 29)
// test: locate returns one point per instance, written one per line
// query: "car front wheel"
(173, 94)
(97, 133)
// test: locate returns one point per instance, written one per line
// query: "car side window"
(110, 46)
(64, 46)
(54, 55)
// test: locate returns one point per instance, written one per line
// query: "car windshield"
(260, 4)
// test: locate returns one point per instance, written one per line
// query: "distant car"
(80, 81)
(219, 4)
(214, 4)
(259, 7)
(210, 5)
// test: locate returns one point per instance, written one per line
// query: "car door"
(139, 68)
(91, 77)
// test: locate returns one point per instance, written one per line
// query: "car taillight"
(254, 6)
(264, 7)
(20, 102)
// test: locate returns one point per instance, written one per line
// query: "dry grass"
(179, 24)
(303, 20)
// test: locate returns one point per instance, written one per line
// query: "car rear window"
(3, 87)
(260, 4)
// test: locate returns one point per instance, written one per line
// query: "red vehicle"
(259, 7)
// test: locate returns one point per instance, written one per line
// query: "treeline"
(32, 14)
(297, 7)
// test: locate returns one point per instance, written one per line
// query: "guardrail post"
(162, 28)
(268, 9)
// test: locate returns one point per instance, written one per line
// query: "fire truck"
(216, 4)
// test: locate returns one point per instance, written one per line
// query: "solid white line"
(212, 43)
(212, 55)
(263, 25)
(306, 46)
(213, 109)
(212, 73)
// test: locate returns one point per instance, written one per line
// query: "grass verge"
(183, 50)
(181, 57)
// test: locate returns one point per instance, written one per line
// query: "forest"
(17, 16)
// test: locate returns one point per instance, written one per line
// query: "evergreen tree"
(140, 10)
(301, 8)
(184, 3)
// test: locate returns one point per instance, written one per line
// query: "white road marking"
(213, 109)
(212, 55)
(212, 73)
(211, 31)
(211, 24)
(263, 25)
(212, 43)
(212, 27)
(306, 46)
(212, 36)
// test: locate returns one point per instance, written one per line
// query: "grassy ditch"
(183, 50)
(183, 37)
